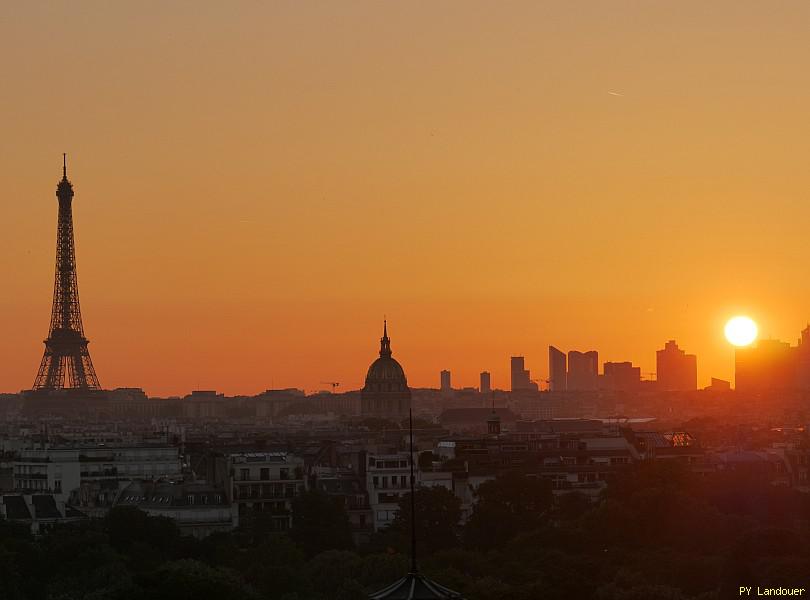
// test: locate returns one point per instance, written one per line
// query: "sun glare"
(741, 331)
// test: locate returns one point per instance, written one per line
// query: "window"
(244, 474)
(190, 499)
(284, 473)
(376, 481)
(265, 474)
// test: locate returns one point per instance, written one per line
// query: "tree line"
(658, 531)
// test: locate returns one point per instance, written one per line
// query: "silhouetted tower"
(66, 363)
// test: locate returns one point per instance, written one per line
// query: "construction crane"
(334, 384)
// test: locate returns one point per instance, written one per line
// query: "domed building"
(386, 393)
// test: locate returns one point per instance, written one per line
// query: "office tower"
(583, 370)
(675, 370)
(769, 366)
(772, 365)
(445, 381)
(521, 378)
(719, 385)
(803, 360)
(621, 376)
(557, 370)
(486, 382)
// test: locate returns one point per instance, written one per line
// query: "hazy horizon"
(258, 185)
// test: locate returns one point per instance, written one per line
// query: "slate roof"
(171, 493)
(45, 507)
(16, 507)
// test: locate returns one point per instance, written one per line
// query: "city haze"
(257, 186)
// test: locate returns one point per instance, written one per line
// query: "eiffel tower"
(66, 363)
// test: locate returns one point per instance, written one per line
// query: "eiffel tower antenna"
(66, 362)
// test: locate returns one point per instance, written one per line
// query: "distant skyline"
(258, 184)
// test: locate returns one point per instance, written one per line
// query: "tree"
(667, 476)
(10, 576)
(350, 589)
(572, 505)
(320, 523)
(330, 570)
(276, 567)
(192, 580)
(438, 512)
(128, 526)
(382, 569)
(506, 506)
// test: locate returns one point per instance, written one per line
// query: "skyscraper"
(770, 365)
(773, 365)
(445, 381)
(521, 378)
(486, 383)
(803, 360)
(622, 376)
(675, 370)
(557, 370)
(583, 370)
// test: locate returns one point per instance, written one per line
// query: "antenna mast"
(413, 496)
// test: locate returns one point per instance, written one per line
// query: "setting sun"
(741, 331)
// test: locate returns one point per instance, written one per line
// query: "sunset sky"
(258, 183)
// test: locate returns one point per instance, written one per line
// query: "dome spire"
(385, 343)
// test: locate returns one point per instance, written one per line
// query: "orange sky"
(258, 183)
